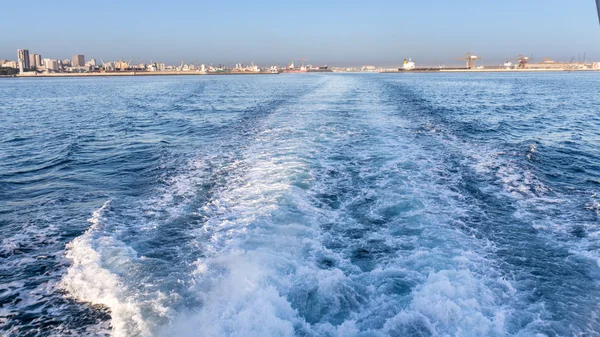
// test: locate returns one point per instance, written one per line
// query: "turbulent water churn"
(301, 205)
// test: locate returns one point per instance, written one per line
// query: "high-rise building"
(23, 59)
(35, 60)
(51, 64)
(78, 61)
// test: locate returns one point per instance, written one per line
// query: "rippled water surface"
(301, 205)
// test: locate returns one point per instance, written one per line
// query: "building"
(23, 59)
(9, 64)
(51, 65)
(78, 61)
(35, 61)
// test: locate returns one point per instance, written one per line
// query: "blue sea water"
(301, 205)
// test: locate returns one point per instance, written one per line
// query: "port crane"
(522, 61)
(470, 59)
(106, 67)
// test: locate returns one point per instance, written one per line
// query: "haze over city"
(339, 33)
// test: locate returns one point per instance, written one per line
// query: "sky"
(336, 33)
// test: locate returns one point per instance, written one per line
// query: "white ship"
(408, 65)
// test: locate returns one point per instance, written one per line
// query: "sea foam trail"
(282, 263)
(338, 213)
(281, 259)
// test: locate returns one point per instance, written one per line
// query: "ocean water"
(301, 205)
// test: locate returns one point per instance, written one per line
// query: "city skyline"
(335, 33)
(72, 60)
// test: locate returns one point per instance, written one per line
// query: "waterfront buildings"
(23, 59)
(78, 61)
(8, 64)
(51, 65)
(35, 61)
(32, 64)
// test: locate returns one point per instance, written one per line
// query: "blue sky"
(327, 32)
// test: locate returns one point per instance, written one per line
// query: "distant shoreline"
(442, 70)
(180, 73)
(136, 73)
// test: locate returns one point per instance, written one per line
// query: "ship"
(407, 65)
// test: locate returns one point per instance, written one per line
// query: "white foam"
(262, 245)
(258, 263)
(92, 277)
(237, 301)
(456, 301)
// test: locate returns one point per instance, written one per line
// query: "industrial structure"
(522, 61)
(470, 60)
